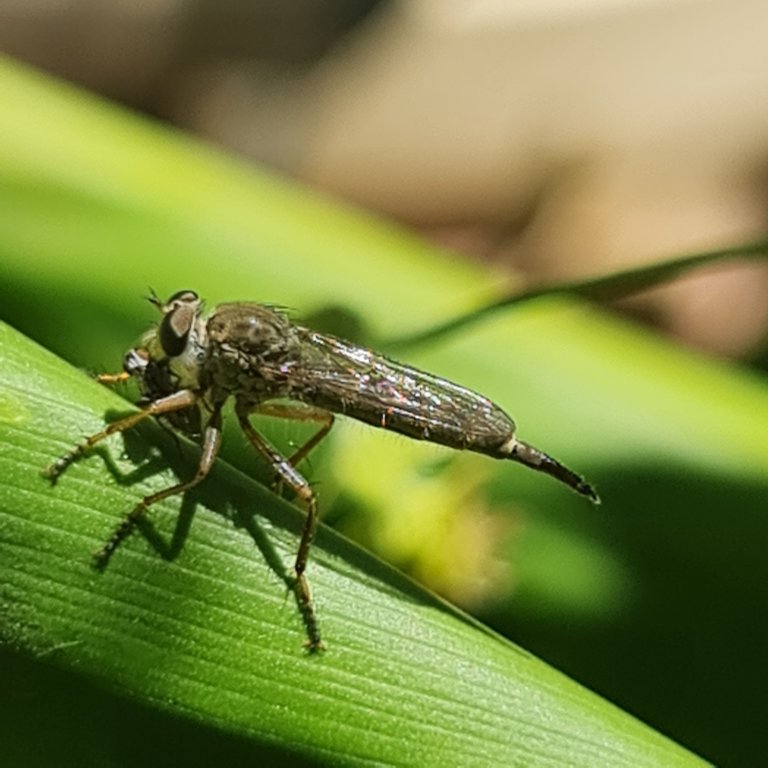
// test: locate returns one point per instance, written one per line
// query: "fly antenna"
(154, 299)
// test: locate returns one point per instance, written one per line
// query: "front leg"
(211, 445)
(176, 402)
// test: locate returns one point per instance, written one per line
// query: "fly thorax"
(247, 345)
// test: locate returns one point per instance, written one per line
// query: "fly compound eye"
(177, 323)
(135, 361)
(181, 297)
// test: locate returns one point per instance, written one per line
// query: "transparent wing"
(339, 376)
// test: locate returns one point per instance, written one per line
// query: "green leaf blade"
(211, 634)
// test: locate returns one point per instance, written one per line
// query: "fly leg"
(210, 449)
(299, 413)
(113, 378)
(175, 402)
(287, 473)
(179, 400)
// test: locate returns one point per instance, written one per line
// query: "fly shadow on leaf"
(153, 448)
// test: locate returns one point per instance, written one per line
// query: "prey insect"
(191, 363)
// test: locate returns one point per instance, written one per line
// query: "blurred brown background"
(557, 138)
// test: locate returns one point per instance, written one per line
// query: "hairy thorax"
(249, 347)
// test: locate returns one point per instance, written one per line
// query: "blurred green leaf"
(608, 287)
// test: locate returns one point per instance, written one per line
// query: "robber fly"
(192, 363)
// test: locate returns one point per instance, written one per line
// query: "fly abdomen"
(532, 457)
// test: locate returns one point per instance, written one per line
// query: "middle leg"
(287, 473)
(300, 413)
